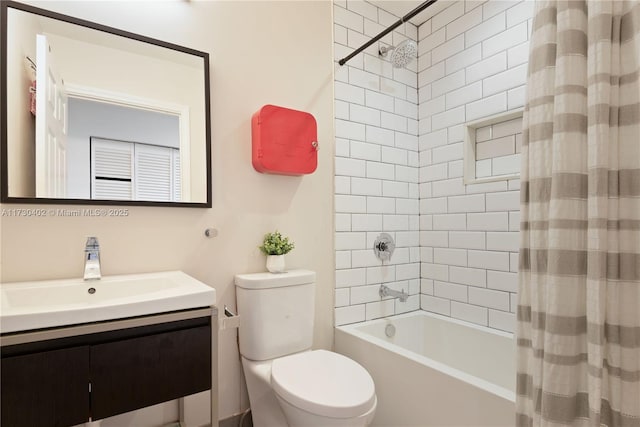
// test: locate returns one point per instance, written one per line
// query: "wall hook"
(211, 232)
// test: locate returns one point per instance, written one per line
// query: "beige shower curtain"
(579, 289)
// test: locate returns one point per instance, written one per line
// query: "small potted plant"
(274, 246)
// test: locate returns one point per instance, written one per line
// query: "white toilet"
(289, 384)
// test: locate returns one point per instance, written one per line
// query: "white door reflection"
(51, 124)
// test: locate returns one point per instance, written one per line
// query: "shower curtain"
(578, 329)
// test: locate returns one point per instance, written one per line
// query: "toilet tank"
(276, 313)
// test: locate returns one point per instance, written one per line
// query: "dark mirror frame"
(4, 190)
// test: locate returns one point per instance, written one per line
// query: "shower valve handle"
(381, 246)
(384, 246)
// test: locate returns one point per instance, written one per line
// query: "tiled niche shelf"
(492, 148)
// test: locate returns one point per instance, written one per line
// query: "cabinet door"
(46, 389)
(138, 372)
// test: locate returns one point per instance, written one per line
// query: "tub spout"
(386, 291)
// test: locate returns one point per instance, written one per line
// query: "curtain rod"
(400, 21)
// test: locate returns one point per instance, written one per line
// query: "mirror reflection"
(98, 116)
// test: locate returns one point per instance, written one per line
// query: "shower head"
(401, 55)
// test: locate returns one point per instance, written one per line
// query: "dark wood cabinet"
(138, 372)
(67, 381)
(47, 389)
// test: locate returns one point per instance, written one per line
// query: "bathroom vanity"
(63, 375)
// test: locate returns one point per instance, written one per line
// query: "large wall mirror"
(96, 115)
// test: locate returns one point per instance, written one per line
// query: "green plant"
(275, 244)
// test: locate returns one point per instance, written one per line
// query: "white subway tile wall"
(377, 167)
(476, 67)
(398, 165)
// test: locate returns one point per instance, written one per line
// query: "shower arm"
(399, 22)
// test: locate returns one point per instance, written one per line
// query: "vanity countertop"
(52, 303)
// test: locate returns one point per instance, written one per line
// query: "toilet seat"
(324, 383)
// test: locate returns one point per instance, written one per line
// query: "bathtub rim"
(353, 330)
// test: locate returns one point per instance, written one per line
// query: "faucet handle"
(92, 259)
(92, 243)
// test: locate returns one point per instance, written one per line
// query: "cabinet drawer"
(46, 389)
(138, 372)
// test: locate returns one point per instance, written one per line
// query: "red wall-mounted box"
(284, 141)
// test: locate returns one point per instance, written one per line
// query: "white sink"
(45, 304)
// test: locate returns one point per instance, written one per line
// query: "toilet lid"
(323, 383)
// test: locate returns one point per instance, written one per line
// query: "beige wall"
(261, 52)
(22, 123)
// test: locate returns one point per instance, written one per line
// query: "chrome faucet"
(92, 259)
(386, 291)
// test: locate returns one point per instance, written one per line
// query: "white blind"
(153, 170)
(111, 169)
(177, 181)
(132, 171)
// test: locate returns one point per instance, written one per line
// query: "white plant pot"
(275, 263)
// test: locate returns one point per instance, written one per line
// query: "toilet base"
(265, 409)
(297, 417)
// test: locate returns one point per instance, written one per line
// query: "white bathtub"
(435, 371)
